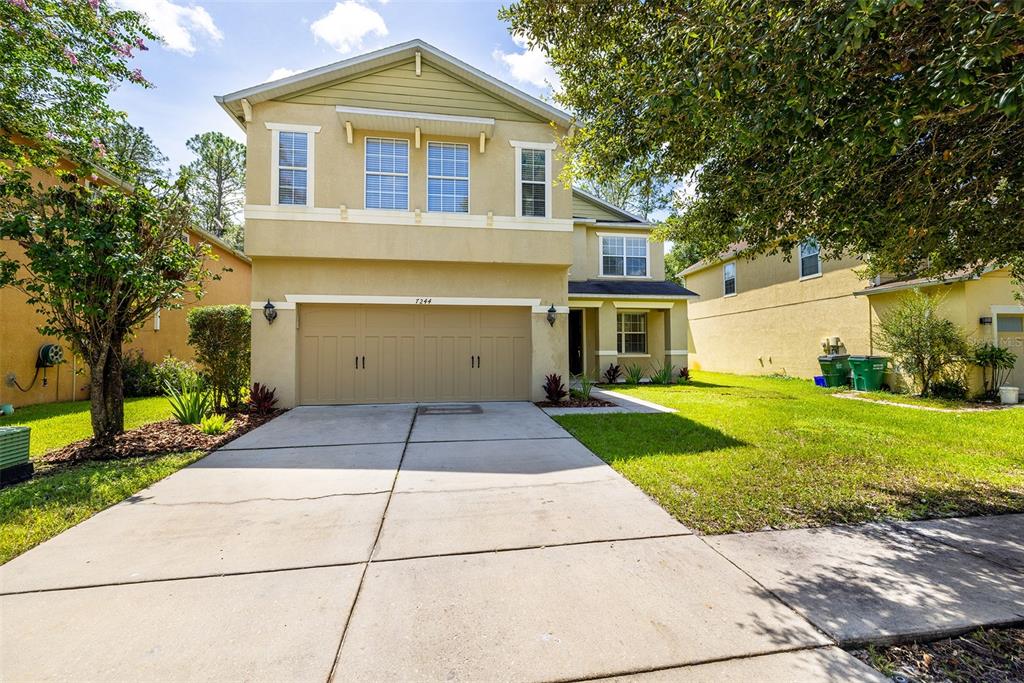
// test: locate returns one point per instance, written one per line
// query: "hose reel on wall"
(48, 356)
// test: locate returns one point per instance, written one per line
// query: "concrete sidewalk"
(880, 583)
(397, 543)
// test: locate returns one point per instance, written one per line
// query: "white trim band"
(279, 305)
(409, 300)
(433, 219)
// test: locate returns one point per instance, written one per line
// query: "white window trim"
(548, 148)
(275, 155)
(407, 173)
(735, 277)
(799, 264)
(600, 256)
(468, 178)
(619, 336)
(156, 319)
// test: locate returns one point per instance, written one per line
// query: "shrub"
(178, 373)
(612, 373)
(215, 424)
(920, 340)
(953, 388)
(586, 386)
(554, 390)
(635, 373)
(996, 364)
(139, 375)
(684, 375)
(664, 374)
(221, 337)
(189, 404)
(262, 399)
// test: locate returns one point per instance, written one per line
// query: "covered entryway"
(393, 353)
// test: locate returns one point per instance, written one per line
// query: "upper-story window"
(533, 178)
(387, 173)
(292, 164)
(624, 256)
(448, 177)
(729, 278)
(810, 258)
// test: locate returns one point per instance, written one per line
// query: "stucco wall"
(586, 252)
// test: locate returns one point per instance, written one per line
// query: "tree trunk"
(106, 396)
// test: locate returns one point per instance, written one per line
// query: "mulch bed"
(985, 656)
(577, 403)
(156, 438)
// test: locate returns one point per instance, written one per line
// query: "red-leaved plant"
(262, 399)
(554, 389)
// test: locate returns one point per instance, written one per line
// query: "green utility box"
(868, 372)
(14, 462)
(835, 369)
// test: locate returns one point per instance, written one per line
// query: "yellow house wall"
(776, 322)
(586, 252)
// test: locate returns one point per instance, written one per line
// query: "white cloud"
(529, 66)
(280, 72)
(345, 26)
(176, 24)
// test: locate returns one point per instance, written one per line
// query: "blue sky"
(215, 47)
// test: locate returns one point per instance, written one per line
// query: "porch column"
(676, 335)
(607, 337)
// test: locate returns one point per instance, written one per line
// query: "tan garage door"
(392, 354)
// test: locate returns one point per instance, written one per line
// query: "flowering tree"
(58, 61)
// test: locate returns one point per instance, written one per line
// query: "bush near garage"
(221, 337)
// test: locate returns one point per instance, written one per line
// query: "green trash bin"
(868, 372)
(835, 368)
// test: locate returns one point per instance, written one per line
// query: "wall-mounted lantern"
(269, 312)
(552, 315)
(985, 320)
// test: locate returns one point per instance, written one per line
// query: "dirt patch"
(984, 656)
(168, 436)
(577, 403)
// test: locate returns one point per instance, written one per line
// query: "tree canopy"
(131, 154)
(888, 129)
(215, 182)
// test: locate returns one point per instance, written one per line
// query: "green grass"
(744, 453)
(41, 508)
(908, 399)
(55, 425)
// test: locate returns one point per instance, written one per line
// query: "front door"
(576, 341)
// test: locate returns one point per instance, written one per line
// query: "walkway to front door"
(396, 542)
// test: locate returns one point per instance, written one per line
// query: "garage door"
(391, 354)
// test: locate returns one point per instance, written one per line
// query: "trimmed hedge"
(221, 337)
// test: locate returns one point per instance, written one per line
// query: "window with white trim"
(624, 256)
(729, 278)
(387, 173)
(1009, 323)
(810, 258)
(632, 332)
(533, 182)
(292, 167)
(448, 177)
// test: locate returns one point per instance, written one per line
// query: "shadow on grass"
(628, 436)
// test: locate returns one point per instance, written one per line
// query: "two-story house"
(411, 243)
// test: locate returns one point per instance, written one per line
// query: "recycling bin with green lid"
(835, 368)
(868, 372)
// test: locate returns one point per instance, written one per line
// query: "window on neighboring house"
(729, 278)
(1006, 323)
(448, 177)
(810, 258)
(292, 167)
(533, 182)
(632, 333)
(387, 173)
(624, 256)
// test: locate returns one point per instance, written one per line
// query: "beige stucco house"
(405, 223)
(770, 314)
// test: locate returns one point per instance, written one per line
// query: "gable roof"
(622, 215)
(371, 61)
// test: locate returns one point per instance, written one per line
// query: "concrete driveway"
(396, 543)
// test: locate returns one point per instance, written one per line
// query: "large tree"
(59, 59)
(890, 129)
(99, 262)
(132, 154)
(637, 192)
(216, 184)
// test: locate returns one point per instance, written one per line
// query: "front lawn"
(744, 453)
(55, 425)
(41, 508)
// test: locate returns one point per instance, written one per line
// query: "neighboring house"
(770, 315)
(405, 225)
(164, 334)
